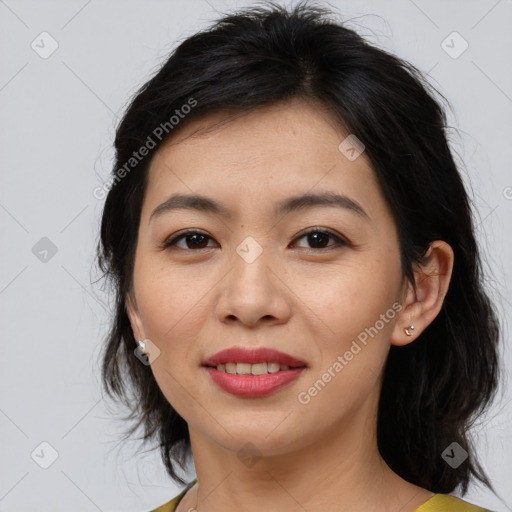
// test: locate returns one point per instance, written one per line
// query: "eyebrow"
(301, 202)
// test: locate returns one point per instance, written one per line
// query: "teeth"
(230, 368)
(252, 369)
(259, 369)
(273, 367)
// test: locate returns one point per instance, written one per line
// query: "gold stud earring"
(408, 332)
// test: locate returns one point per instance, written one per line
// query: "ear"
(424, 301)
(134, 317)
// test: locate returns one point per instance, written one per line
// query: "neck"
(342, 467)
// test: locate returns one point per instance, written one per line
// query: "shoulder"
(170, 506)
(448, 503)
(438, 503)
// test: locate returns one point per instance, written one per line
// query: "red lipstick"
(253, 386)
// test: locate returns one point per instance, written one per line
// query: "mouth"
(265, 368)
(256, 361)
(254, 372)
(253, 386)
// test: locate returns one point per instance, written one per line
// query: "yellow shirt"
(438, 503)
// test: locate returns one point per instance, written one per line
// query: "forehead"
(283, 149)
(279, 126)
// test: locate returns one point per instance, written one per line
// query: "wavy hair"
(433, 388)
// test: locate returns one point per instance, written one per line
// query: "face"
(321, 282)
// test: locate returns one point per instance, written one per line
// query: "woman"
(299, 291)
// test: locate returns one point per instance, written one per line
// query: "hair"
(433, 388)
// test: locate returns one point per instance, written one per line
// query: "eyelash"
(340, 241)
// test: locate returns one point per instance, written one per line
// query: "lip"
(253, 356)
(253, 386)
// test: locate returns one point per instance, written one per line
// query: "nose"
(254, 292)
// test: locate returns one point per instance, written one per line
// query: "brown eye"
(319, 238)
(193, 240)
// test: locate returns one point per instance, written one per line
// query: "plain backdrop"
(67, 71)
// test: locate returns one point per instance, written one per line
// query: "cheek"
(354, 305)
(170, 304)
(172, 316)
(354, 350)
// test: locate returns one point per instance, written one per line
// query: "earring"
(142, 345)
(407, 330)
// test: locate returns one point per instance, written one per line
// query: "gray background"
(58, 116)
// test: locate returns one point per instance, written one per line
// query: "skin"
(193, 300)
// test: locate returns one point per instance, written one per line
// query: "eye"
(193, 240)
(319, 237)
